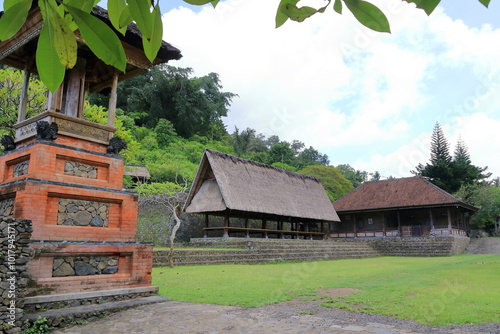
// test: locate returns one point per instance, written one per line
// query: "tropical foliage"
(11, 83)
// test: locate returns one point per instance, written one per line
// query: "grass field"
(462, 289)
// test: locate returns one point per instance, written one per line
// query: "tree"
(167, 198)
(57, 47)
(165, 132)
(194, 105)
(311, 156)
(335, 184)
(439, 170)
(375, 176)
(281, 152)
(356, 177)
(448, 172)
(11, 83)
(464, 172)
(487, 198)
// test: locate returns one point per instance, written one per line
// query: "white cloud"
(332, 83)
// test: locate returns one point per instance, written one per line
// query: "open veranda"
(461, 289)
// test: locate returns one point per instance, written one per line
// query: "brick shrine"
(70, 187)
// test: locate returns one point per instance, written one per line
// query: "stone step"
(74, 315)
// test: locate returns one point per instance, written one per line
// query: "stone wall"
(79, 169)
(15, 253)
(84, 265)
(75, 212)
(6, 208)
(421, 246)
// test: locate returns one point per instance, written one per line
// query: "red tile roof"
(397, 193)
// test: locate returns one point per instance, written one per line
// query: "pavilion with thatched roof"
(284, 203)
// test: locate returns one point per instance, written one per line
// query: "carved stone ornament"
(46, 130)
(8, 143)
(116, 145)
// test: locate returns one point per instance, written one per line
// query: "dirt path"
(295, 317)
(483, 246)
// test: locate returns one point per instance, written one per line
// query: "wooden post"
(112, 101)
(449, 221)
(384, 218)
(247, 232)
(54, 99)
(23, 101)
(75, 89)
(399, 224)
(226, 225)
(431, 217)
(206, 225)
(264, 227)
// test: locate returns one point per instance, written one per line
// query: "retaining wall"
(238, 250)
(421, 246)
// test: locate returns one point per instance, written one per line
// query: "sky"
(366, 99)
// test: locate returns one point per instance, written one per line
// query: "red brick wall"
(135, 265)
(46, 162)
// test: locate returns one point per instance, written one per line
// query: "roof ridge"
(263, 165)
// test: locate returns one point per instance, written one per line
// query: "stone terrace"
(249, 251)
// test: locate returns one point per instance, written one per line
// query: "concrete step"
(74, 315)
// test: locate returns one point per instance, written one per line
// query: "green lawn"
(462, 289)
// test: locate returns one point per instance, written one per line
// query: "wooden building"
(283, 203)
(400, 207)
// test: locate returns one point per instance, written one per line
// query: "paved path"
(290, 318)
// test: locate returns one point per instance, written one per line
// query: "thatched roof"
(411, 192)
(136, 171)
(251, 189)
(19, 51)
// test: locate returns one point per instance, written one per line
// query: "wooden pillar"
(23, 101)
(54, 99)
(280, 227)
(247, 232)
(112, 101)
(384, 218)
(399, 224)
(75, 89)
(206, 225)
(355, 222)
(226, 225)
(431, 217)
(449, 221)
(264, 227)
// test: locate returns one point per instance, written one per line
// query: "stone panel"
(6, 208)
(21, 168)
(79, 169)
(84, 266)
(75, 212)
